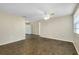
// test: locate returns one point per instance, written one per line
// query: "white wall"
(35, 27)
(76, 35)
(12, 28)
(76, 42)
(57, 28)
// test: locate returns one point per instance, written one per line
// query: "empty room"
(39, 28)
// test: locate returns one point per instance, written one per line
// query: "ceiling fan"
(48, 16)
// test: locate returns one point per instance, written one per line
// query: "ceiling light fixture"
(46, 17)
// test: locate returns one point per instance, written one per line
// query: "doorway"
(28, 28)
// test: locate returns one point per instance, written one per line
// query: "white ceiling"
(36, 11)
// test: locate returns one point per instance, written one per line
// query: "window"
(76, 22)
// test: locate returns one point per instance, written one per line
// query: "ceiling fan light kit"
(46, 17)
